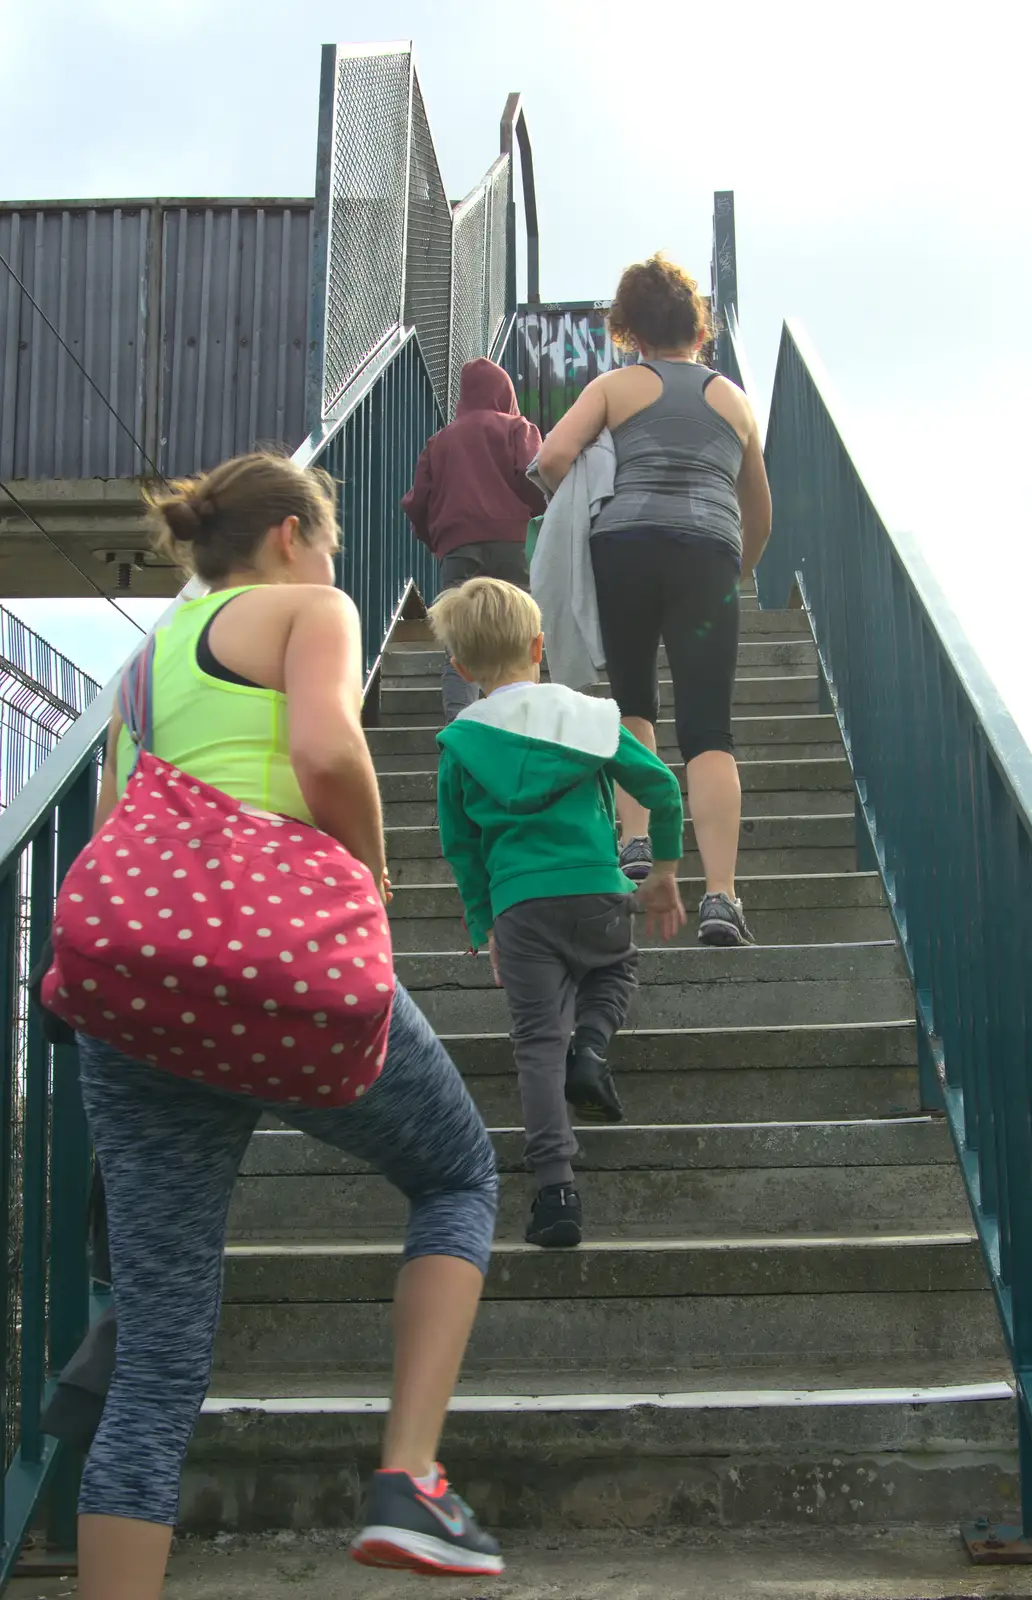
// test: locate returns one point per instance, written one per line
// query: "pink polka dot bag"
(226, 945)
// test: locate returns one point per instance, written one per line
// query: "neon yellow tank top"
(227, 734)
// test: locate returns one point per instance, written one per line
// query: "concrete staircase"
(780, 1313)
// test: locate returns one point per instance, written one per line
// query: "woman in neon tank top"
(257, 690)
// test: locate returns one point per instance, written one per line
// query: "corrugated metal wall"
(192, 317)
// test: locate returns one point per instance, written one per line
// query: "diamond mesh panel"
(367, 202)
(498, 250)
(428, 256)
(469, 239)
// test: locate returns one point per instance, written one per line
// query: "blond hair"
(487, 626)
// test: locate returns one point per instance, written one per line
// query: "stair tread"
(914, 1141)
(610, 1241)
(629, 1270)
(735, 1385)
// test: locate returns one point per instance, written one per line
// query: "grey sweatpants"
(566, 962)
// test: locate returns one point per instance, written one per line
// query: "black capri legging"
(683, 591)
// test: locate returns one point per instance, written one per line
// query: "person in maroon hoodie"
(471, 500)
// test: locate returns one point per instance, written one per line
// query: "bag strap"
(135, 698)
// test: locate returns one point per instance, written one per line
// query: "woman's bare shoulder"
(731, 403)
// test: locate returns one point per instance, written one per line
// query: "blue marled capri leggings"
(169, 1152)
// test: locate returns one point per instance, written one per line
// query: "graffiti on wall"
(557, 351)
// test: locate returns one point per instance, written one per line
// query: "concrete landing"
(897, 1564)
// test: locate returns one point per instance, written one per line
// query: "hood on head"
(485, 386)
(528, 746)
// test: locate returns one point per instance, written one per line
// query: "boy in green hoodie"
(525, 807)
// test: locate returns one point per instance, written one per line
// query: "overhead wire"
(27, 514)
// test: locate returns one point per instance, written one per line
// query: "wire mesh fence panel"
(41, 694)
(394, 251)
(428, 249)
(369, 168)
(468, 335)
(496, 277)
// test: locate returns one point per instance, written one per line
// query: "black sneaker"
(722, 921)
(636, 860)
(555, 1218)
(431, 1531)
(590, 1090)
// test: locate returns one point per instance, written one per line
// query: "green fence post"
(69, 1186)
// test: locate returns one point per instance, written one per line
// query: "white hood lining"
(555, 715)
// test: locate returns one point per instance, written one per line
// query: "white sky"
(879, 156)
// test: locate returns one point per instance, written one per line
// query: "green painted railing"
(369, 445)
(944, 807)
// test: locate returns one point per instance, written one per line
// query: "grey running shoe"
(410, 1529)
(722, 921)
(636, 860)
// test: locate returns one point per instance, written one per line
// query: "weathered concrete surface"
(418, 704)
(698, 1181)
(686, 988)
(784, 655)
(625, 1268)
(897, 1563)
(831, 772)
(770, 732)
(646, 1466)
(694, 1203)
(785, 801)
(733, 1074)
(712, 1329)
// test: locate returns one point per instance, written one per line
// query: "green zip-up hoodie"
(525, 799)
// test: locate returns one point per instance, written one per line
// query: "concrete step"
(756, 738)
(761, 803)
(769, 787)
(420, 706)
(821, 908)
(783, 624)
(416, 668)
(696, 1182)
(756, 1301)
(783, 657)
(768, 846)
(732, 1074)
(834, 831)
(767, 986)
(725, 1448)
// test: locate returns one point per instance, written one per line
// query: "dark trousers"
(496, 558)
(567, 962)
(685, 593)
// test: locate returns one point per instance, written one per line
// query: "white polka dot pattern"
(180, 977)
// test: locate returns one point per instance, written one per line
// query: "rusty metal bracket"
(991, 1544)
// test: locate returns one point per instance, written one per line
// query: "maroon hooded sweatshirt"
(471, 485)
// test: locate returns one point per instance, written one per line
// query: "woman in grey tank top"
(690, 514)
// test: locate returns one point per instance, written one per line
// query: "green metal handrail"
(369, 444)
(944, 805)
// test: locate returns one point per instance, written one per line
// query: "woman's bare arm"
(322, 672)
(754, 502)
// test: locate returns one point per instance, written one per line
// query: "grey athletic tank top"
(677, 464)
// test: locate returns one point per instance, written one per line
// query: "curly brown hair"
(658, 305)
